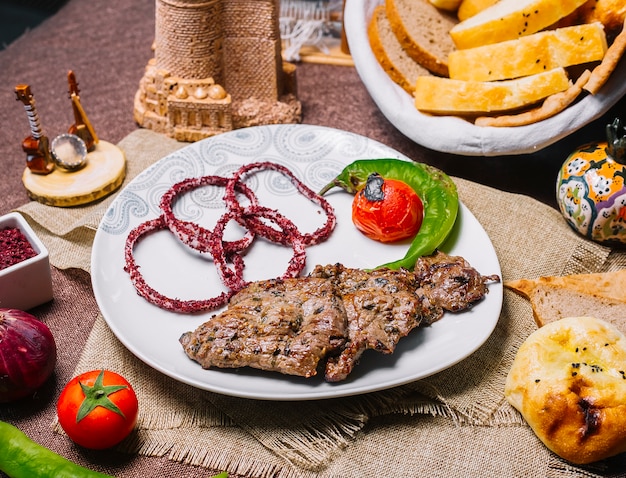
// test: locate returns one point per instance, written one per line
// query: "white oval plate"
(450, 134)
(315, 154)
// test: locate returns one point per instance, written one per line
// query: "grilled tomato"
(387, 210)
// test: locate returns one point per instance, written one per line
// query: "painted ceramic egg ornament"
(591, 188)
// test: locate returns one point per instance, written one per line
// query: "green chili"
(21, 457)
(435, 188)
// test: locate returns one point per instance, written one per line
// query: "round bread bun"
(568, 382)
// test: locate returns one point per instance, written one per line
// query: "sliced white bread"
(601, 295)
(469, 8)
(400, 67)
(456, 97)
(530, 55)
(510, 19)
(423, 31)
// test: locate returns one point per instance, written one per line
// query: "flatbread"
(551, 106)
(591, 83)
(602, 72)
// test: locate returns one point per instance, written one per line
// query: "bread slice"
(469, 8)
(601, 295)
(548, 108)
(423, 31)
(450, 5)
(445, 96)
(611, 13)
(530, 55)
(400, 67)
(510, 19)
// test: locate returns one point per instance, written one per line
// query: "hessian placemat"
(426, 422)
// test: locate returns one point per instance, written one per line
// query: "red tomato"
(97, 409)
(387, 210)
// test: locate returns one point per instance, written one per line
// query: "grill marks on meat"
(381, 308)
(450, 282)
(282, 325)
(296, 326)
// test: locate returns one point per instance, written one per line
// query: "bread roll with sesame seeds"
(568, 380)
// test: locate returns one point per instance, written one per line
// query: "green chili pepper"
(435, 188)
(21, 457)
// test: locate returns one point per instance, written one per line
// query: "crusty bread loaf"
(530, 55)
(400, 67)
(445, 96)
(423, 31)
(469, 8)
(568, 381)
(510, 19)
(602, 295)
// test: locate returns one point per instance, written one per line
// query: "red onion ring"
(155, 297)
(251, 222)
(191, 233)
(212, 242)
(234, 279)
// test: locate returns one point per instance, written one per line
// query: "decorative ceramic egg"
(591, 188)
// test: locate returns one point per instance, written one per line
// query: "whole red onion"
(27, 354)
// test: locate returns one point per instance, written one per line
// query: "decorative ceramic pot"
(591, 188)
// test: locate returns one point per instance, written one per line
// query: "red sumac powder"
(14, 247)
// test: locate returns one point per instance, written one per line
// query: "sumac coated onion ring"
(233, 278)
(191, 233)
(253, 217)
(252, 222)
(155, 297)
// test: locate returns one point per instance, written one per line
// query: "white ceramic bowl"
(451, 134)
(28, 283)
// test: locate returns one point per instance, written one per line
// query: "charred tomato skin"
(387, 210)
(106, 422)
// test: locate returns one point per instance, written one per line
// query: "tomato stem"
(373, 190)
(98, 396)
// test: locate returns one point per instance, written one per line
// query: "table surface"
(108, 44)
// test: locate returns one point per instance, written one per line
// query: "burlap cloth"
(431, 426)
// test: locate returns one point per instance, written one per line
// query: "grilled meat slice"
(288, 326)
(450, 282)
(332, 316)
(382, 307)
